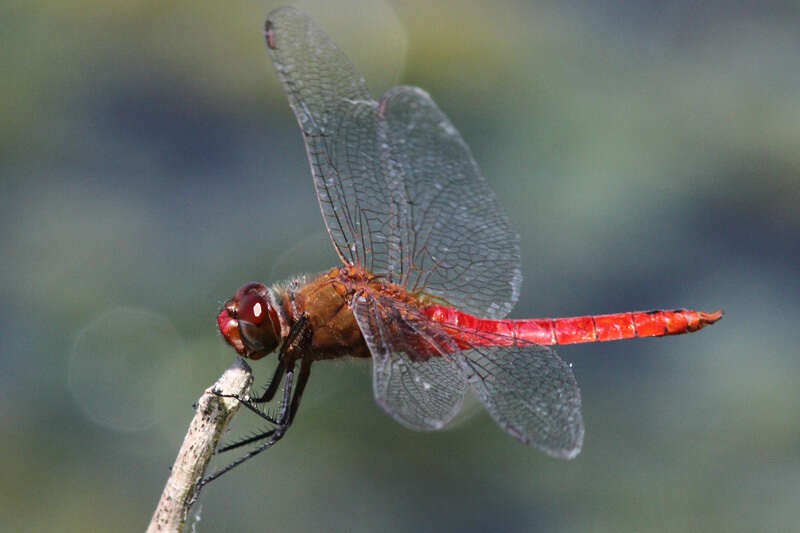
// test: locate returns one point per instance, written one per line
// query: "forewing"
(528, 390)
(449, 235)
(416, 379)
(399, 190)
(338, 120)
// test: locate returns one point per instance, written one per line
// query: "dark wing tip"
(269, 35)
(277, 15)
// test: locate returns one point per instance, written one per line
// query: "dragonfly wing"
(338, 118)
(451, 236)
(399, 190)
(415, 378)
(531, 393)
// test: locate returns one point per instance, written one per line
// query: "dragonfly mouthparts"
(229, 327)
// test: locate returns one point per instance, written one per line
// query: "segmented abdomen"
(592, 328)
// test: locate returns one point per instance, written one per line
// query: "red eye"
(252, 308)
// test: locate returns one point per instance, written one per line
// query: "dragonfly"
(430, 268)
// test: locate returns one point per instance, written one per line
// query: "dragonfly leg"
(245, 442)
(290, 403)
(281, 423)
(252, 407)
(274, 436)
(274, 383)
(296, 340)
(296, 334)
(269, 393)
(305, 372)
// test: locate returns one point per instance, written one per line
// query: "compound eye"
(252, 308)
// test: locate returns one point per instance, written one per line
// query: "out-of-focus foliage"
(648, 153)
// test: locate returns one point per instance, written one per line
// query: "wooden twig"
(212, 417)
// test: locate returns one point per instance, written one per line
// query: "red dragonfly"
(425, 251)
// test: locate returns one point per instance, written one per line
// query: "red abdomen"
(592, 328)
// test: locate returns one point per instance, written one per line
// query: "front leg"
(285, 419)
(281, 424)
(274, 436)
(293, 349)
(272, 388)
(296, 343)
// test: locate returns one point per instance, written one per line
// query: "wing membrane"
(415, 378)
(337, 117)
(530, 392)
(421, 368)
(454, 240)
(399, 190)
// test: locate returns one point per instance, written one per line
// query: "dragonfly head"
(250, 322)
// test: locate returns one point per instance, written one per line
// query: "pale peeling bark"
(212, 417)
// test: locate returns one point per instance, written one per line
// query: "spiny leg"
(274, 383)
(296, 334)
(283, 421)
(245, 442)
(305, 372)
(293, 345)
(288, 410)
(276, 435)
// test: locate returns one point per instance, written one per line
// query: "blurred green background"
(647, 152)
